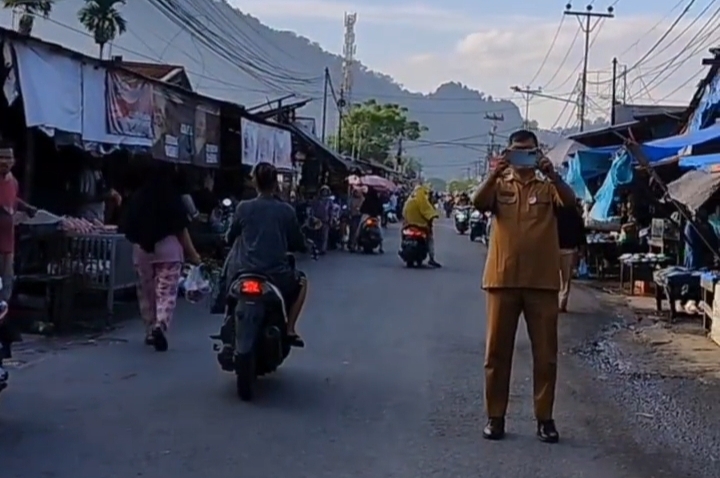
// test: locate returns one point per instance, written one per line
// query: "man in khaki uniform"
(521, 277)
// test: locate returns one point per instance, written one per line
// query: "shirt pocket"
(506, 203)
(540, 204)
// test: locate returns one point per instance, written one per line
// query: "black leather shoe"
(495, 429)
(546, 431)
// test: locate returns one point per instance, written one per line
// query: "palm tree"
(103, 20)
(28, 10)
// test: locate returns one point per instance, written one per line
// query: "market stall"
(70, 255)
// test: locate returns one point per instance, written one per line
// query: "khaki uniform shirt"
(523, 251)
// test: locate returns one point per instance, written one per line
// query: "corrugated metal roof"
(156, 71)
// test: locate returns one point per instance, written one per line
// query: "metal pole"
(583, 95)
(341, 107)
(587, 28)
(324, 107)
(614, 91)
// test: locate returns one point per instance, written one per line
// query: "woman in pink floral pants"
(156, 223)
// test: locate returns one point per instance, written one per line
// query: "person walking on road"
(156, 222)
(521, 277)
(571, 235)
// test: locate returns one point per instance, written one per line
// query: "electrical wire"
(549, 51)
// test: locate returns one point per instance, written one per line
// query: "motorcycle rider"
(419, 212)
(463, 200)
(263, 231)
(372, 206)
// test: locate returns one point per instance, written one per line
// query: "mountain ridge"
(236, 57)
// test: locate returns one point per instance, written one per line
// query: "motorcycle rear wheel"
(245, 376)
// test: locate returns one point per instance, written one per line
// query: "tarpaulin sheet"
(576, 182)
(694, 188)
(671, 146)
(621, 173)
(705, 161)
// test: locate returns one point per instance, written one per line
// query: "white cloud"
(493, 58)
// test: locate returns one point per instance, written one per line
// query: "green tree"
(373, 130)
(437, 184)
(28, 10)
(103, 19)
(460, 185)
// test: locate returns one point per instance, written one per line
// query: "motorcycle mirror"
(226, 202)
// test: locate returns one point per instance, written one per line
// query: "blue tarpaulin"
(704, 162)
(666, 147)
(584, 166)
(621, 173)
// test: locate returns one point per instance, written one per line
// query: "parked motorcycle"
(462, 217)
(253, 338)
(413, 246)
(369, 237)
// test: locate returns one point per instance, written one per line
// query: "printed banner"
(173, 126)
(207, 135)
(264, 143)
(129, 105)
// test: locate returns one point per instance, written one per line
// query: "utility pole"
(349, 49)
(613, 99)
(495, 118)
(325, 103)
(527, 94)
(587, 27)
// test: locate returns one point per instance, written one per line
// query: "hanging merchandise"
(263, 143)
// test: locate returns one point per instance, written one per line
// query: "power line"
(550, 49)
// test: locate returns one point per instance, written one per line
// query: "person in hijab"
(355, 203)
(322, 208)
(418, 211)
(156, 222)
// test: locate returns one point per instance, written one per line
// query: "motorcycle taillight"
(250, 287)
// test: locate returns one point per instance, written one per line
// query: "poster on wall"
(207, 135)
(264, 143)
(173, 126)
(129, 105)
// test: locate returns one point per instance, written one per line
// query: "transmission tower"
(349, 49)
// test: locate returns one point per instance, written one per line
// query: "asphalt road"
(390, 385)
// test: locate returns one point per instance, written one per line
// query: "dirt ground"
(648, 344)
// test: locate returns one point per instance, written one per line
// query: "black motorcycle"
(477, 225)
(370, 236)
(413, 246)
(462, 219)
(253, 337)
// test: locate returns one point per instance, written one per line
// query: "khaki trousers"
(568, 258)
(540, 309)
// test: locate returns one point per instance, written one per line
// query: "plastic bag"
(582, 270)
(196, 284)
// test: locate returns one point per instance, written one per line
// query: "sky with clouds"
(491, 46)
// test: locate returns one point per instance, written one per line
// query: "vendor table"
(676, 283)
(639, 267)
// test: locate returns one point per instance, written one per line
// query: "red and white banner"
(129, 101)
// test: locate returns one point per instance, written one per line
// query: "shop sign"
(207, 135)
(173, 126)
(129, 105)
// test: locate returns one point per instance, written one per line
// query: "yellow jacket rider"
(419, 212)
